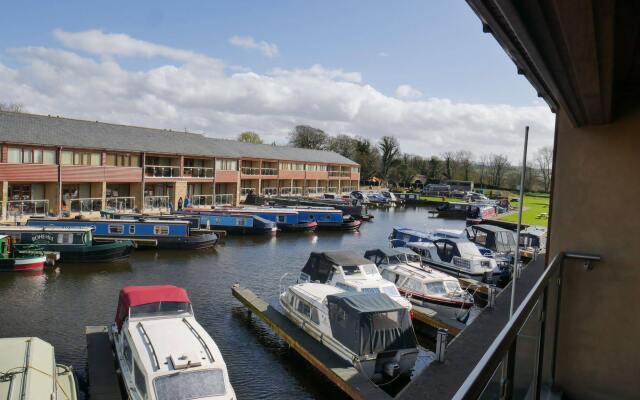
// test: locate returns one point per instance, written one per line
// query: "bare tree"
(15, 107)
(389, 155)
(498, 165)
(544, 160)
(463, 162)
(449, 161)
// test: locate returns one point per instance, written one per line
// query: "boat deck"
(340, 372)
(104, 383)
(427, 317)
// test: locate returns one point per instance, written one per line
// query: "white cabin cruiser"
(423, 285)
(368, 330)
(162, 351)
(28, 371)
(351, 272)
(459, 257)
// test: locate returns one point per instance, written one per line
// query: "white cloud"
(383, 54)
(223, 101)
(267, 49)
(407, 92)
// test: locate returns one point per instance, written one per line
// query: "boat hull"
(299, 227)
(22, 264)
(96, 253)
(451, 270)
(353, 225)
(194, 242)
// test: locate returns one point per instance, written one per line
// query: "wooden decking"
(104, 383)
(339, 371)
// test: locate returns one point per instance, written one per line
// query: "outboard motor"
(391, 369)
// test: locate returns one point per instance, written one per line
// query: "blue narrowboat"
(233, 223)
(328, 218)
(164, 234)
(285, 220)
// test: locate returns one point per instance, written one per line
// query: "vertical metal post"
(441, 344)
(516, 259)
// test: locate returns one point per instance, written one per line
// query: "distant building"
(465, 186)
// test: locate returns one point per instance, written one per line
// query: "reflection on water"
(58, 304)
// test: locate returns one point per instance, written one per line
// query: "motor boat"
(459, 257)
(499, 241)
(368, 330)
(28, 371)
(423, 285)
(351, 272)
(162, 351)
(21, 259)
(533, 241)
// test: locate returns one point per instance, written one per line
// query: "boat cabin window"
(140, 381)
(65, 238)
(452, 286)
(160, 230)
(315, 315)
(414, 285)
(348, 288)
(351, 270)
(280, 218)
(370, 269)
(126, 350)
(390, 276)
(390, 291)
(160, 308)
(436, 288)
(446, 251)
(132, 229)
(479, 237)
(304, 308)
(190, 385)
(115, 229)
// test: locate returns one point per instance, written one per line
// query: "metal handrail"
(250, 170)
(156, 202)
(162, 171)
(198, 172)
(480, 376)
(269, 171)
(86, 204)
(225, 198)
(27, 207)
(121, 202)
(271, 191)
(202, 200)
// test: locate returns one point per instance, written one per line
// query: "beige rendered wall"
(135, 190)
(51, 194)
(595, 201)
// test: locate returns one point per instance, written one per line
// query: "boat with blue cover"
(232, 223)
(74, 244)
(285, 219)
(164, 234)
(328, 218)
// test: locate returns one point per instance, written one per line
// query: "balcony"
(316, 190)
(291, 191)
(269, 171)
(121, 203)
(224, 199)
(198, 172)
(250, 171)
(156, 203)
(202, 200)
(348, 189)
(271, 191)
(19, 208)
(332, 189)
(85, 205)
(247, 190)
(161, 171)
(340, 174)
(518, 355)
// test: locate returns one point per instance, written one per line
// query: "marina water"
(57, 305)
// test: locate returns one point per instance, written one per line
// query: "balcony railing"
(161, 171)
(121, 203)
(339, 173)
(156, 202)
(271, 191)
(315, 190)
(198, 172)
(269, 171)
(332, 189)
(512, 367)
(291, 191)
(202, 200)
(250, 170)
(348, 189)
(85, 205)
(224, 199)
(28, 207)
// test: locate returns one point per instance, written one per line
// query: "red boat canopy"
(132, 296)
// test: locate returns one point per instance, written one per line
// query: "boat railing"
(27, 207)
(121, 203)
(85, 205)
(522, 357)
(198, 172)
(149, 344)
(271, 191)
(162, 171)
(247, 190)
(269, 171)
(156, 202)
(202, 200)
(224, 199)
(250, 170)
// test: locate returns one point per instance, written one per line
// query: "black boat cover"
(320, 265)
(370, 323)
(497, 239)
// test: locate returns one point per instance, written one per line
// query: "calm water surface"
(57, 305)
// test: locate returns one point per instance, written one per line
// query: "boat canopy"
(320, 265)
(132, 296)
(493, 237)
(378, 255)
(369, 323)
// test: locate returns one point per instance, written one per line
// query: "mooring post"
(491, 301)
(441, 344)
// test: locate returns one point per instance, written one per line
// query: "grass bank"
(534, 205)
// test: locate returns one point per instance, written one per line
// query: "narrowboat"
(28, 371)
(162, 351)
(368, 330)
(348, 207)
(328, 218)
(233, 223)
(74, 244)
(423, 286)
(452, 210)
(25, 259)
(476, 213)
(286, 220)
(458, 257)
(163, 234)
(351, 272)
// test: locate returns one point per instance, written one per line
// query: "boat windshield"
(370, 269)
(161, 308)
(351, 270)
(412, 258)
(436, 288)
(390, 291)
(452, 286)
(190, 385)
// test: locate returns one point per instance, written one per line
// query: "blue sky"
(435, 47)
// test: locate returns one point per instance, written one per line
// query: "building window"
(227, 165)
(96, 159)
(20, 155)
(15, 155)
(66, 157)
(48, 156)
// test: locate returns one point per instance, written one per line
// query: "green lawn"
(534, 205)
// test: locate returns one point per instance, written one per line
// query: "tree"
(389, 155)
(15, 107)
(367, 156)
(448, 159)
(307, 137)
(250, 137)
(498, 165)
(482, 168)
(343, 144)
(544, 160)
(435, 168)
(463, 161)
